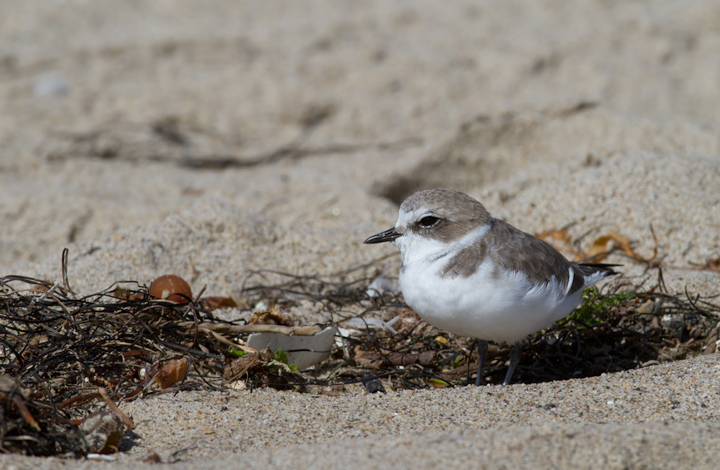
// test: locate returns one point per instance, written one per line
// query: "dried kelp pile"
(63, 355)
(617, 328)
(60, 352)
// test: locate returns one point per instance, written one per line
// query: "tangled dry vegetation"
(64, 355)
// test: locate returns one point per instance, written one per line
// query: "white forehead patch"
(407, 218)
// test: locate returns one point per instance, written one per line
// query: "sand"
(210, 139)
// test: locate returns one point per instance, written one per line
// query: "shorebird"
(471, 274)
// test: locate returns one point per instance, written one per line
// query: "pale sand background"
(598, 113)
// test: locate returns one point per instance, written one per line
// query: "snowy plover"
(473, 275)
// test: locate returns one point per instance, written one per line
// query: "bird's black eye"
(428, 221)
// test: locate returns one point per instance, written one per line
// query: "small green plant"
(281, 356)
(594, 306)
(235, 352)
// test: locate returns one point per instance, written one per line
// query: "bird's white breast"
(505, 307)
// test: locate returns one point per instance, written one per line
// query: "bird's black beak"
(386, 236)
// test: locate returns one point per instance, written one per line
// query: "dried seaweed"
(71, 352)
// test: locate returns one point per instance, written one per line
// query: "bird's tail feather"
(587, 274)
(588, 269)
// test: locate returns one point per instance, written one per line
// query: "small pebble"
(171, 287)
(372, 383)
(51, 85)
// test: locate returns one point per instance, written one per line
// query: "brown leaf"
(122, 293)
(624, 243)
(241, 365)
(599, 251)
(39, 288)
(171, 372)
(271, 316)
(559, 235)
(713, 264)
(213, 303)
(137, 296)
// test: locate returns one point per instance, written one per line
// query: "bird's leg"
(482, 347)
(515, 351)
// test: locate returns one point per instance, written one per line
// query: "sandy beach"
(212, 139)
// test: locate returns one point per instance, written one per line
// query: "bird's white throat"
(415, 248)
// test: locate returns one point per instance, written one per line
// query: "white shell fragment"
(364, 324)
(382, 285)
(303, 351)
